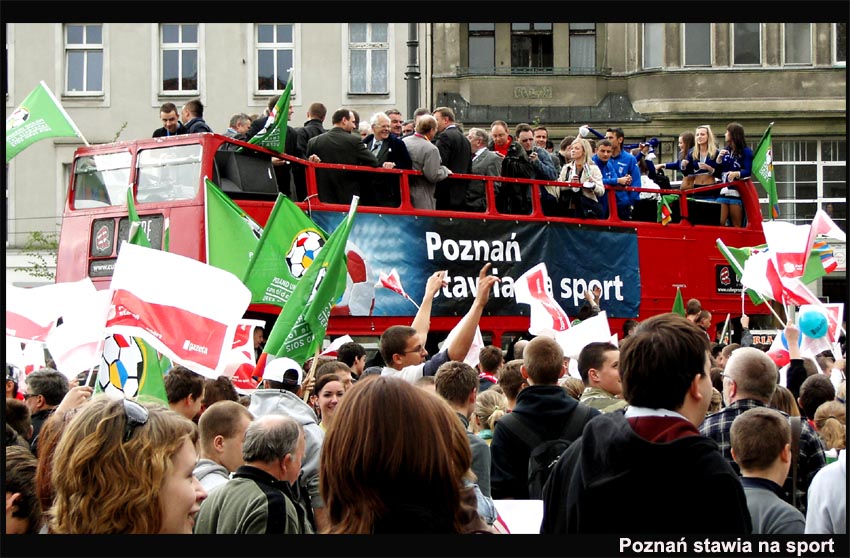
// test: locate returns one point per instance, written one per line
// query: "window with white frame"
(746, 39)
(839, 43)
(482, 46)
(368, 58)
(83, 59)
(582, 46)
(653, 45)
(810, 175)
(798, 43)
(179, 55)
(275, 55)
(697, 41)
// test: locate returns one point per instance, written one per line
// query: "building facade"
(651, 79)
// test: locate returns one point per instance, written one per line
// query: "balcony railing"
(525, 71)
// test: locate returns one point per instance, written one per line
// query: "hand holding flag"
(547, 316)
(393, 283)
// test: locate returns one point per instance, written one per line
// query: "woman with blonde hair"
(490, 406)
(701, 159)
(379, 476)
(583, 201)
(124, 468)
(831, 423)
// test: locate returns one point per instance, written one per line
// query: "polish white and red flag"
(31, 313)
(789, 247)
(535, 289)
(241, 360)
(822, 224)
(185, 309)
(392, 282)
(331, 350)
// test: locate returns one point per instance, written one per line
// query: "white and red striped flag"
(241, 360)
(185, 309)
(32, 313)
(534, 288)
(392, 282)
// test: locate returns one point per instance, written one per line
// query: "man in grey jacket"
(426, 158)
(282, 379)
(222, 426)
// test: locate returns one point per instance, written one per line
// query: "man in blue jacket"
(628, 173)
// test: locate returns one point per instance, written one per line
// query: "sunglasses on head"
(136, 416)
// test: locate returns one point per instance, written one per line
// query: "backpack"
(545, 453)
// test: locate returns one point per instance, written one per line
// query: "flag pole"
(725, 328)
(312, 373)
(64, 113)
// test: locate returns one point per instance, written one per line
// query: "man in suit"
(426, 158)
(312, 128)
(484, 162)
(391, 153)
(455, 154)
(338, 145)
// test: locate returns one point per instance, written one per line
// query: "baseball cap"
(284, 370)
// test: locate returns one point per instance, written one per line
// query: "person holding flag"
(403, 347)
(734, 162)
(763, 171)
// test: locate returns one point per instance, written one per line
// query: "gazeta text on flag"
(190, 313)
(38, 117)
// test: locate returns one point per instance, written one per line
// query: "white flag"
(471, 357)
(591, 330)
(535, 289)
(76, 344)
(185, 309)
(32, 313)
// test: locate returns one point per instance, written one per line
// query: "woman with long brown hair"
(379, 476)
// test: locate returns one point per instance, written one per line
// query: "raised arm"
(422, 321)
(466, 332)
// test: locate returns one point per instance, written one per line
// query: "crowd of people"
(434, 144)
(413, 444)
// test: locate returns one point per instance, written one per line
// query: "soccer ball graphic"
(359, 296)
(303, 251)
(121, 367)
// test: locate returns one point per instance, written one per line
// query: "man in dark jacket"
(543, 405)
(262, 497)
(171, 125)
(45, 390)
(192, 116)
(649, 470)
(511, 198)
(384, 189)
(339, 145)
(456, 154)
(312, 128)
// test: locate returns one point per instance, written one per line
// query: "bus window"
(169, 173)
(101, 180)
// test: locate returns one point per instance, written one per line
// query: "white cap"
(276, 370)
(583, 131)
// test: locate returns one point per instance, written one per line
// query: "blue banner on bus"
(577, 258)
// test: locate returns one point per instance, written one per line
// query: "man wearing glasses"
(45, 390)
(403, 347)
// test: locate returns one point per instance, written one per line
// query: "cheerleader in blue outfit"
(734, 162)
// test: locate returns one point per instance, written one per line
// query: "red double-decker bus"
(637, 264)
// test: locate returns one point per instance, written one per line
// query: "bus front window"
(101, 180)
(169, 173)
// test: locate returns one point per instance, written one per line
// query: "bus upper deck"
(636, 263)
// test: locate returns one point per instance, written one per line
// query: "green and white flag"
(232, 235)
(763, 171)
(137, 234)
(273, 134)
(289, 244)
(38, 117)
(300, 329)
